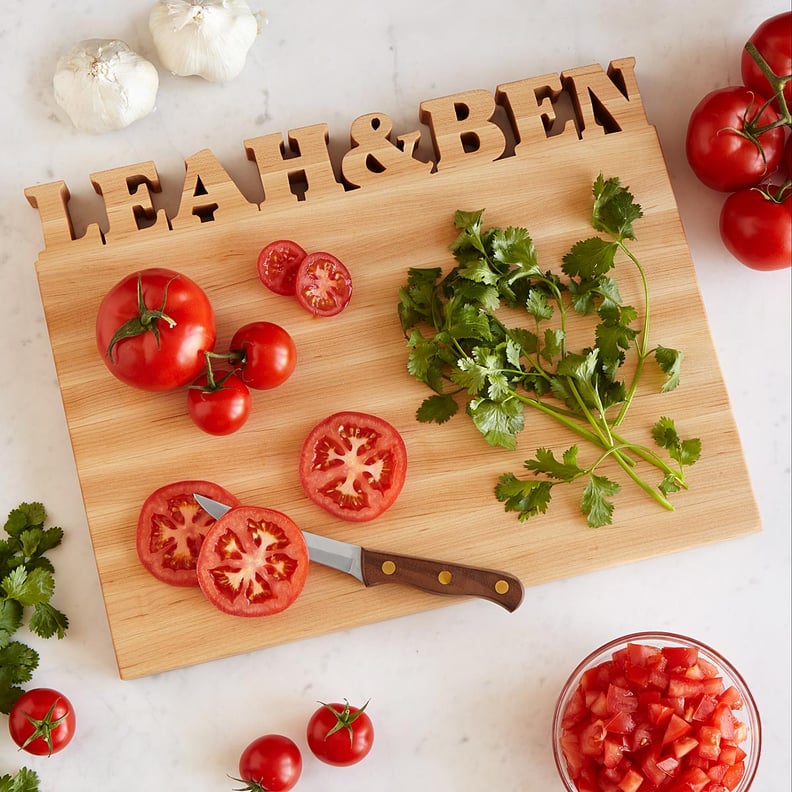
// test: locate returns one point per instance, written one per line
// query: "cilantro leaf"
(499, 421)
(438, 409)
(686, 452)
(24, 781)
(590, 258)
(595, 504)
(527, 497)
(670, 362)
(26, 515)
(47, 621)
(565, 469)
(615, 209)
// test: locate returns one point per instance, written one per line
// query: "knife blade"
(374, 567)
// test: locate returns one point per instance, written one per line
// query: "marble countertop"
(462, 697)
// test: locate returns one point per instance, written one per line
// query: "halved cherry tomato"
(171, 529)
(253, 562)
(277, 265)
(219, 403)
(42, 721)
(673, 728)
(267, 354)
(324, 284)
(353, 465)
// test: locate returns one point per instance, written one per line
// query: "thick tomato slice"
(277, 266)
(253, 562)
(324, 284)
(353, 465)
(172, 526)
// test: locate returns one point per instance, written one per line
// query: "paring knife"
(372, 567)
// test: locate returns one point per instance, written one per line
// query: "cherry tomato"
(720, 155)
(171, 529)
(219, 403)
(266, 352)
(271, 763)
(756, 228)
(153, 327)
(324, 285)
(773, 39)
(639, 720)
(42, 721)
(340, 734)
(353, 465)
(253, 562)
(277, 266)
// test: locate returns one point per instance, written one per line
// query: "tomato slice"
(277, 266)
(353, 465)
(253, 562)
(324, 285)
(171, 529)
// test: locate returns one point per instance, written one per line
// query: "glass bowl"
(648, 672)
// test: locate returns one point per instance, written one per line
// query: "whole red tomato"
(721, 145)
(42, 721)
(219, 403)
(153, 327)
(756, 228)
(266, 354)
(773, 40)
(340, 734)
(271, 763)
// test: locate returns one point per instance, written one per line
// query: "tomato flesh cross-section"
(254, 562)
(171, 529)
(323, 284)
(353, 465)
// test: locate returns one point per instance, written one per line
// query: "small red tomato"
(339, 734)
(756, 228)
(266, 354)
(271, 763)
(219, 403)
(277, 265)
(720, 144)
(42, 721)
(773, 40)
(324, 285)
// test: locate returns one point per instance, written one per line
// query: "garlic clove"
(103, 85)
(207, 38)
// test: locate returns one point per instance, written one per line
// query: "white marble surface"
(462, 697)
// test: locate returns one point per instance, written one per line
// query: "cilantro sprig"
(23, 781)
(462, 350)
(27, 584)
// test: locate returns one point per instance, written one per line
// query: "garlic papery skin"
(103, 85)
(208, 38)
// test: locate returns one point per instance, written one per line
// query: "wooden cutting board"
(387, 211)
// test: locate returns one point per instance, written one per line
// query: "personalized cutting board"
(512, 152)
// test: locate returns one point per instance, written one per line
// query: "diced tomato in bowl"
(656, 712)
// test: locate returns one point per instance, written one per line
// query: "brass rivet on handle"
(502, 586)
(444, 577)
(388, 567)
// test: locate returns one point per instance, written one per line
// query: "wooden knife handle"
(440, 577)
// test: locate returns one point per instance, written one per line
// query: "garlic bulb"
(209, 38)
(103, 85)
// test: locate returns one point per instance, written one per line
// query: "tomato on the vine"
(277, 265)
(722, 146)
(324, 284)
(266, 354)
(773, 40)
(42, 721)
(756, 227)
(153, 327)
(353, 465)
(271, 763)
(219, 402)
(172, 526)
(253, 562)
(339, 734)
